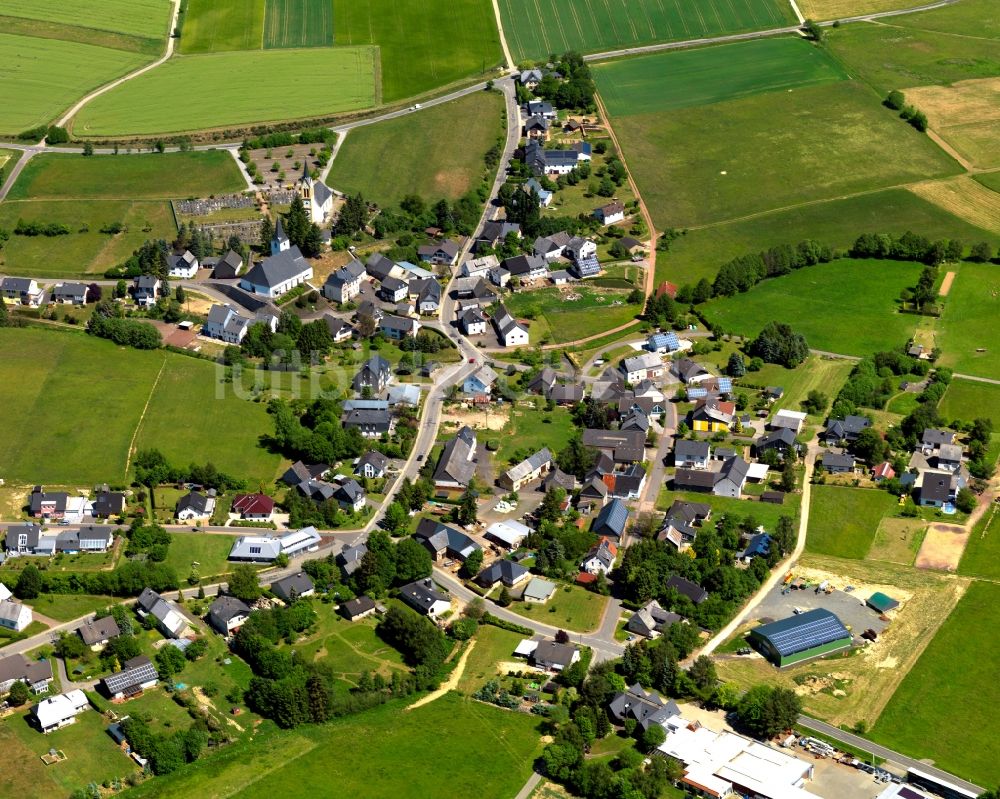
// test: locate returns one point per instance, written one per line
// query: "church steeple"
(280, 242)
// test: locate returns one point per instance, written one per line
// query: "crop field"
(136, 177)
(969, 316)
(417, 154)
(836, 223)
(422, 45)
(219, 89)
(697, 166)
(84, 252)
(685, 78)
(298, 23)
(42, 77)
(843, 521)
(804, 300)
(489, 753)
(567, 315)
(145, 18)
(966, 198)
(217, 25)
(83, 427)
(537, 28)
(966, 115)
(979, 18)
(891, 56)
(958, 664)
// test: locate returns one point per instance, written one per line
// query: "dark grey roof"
(736, 470)
(350, 557)
(782, 438)
(297, 584)
(691, 590)
(645, 707)
(523, 264)
(804, 631)
(355, 607)
(73, 290)
(689, 512)
(193, 501)
(457, 462)
(97, 631)
(375, 458)
(378, 266)
(421, 594)
(299, 472)
(612, 519)
(226, 608)
(936, 487)
(438, 537)
(506, 571)
(833, 460)
(32, 532)
(276, 269)
(686, 450)
(109, 503)
(694, 478)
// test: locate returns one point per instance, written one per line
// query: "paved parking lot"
(848, 607)
(834, 780)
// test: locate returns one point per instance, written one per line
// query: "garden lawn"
(298, 23)
(226, 89)
(91, 756)
(825, 375)
(349, 649)
(968, 323)
(489, 753)
(66, 607)
(568, 320)
(85, 251)
(493, 646)
(893, 56)
(765, 513)
(953, 688)
(132, 177)
(836, 223)
(226, 431)
(814, 300)
(422, 45)
(571, 608)
(536, 29)
(209, 550)
(697, 166)
(529, 429)
(43, 77)
(843, 521)
(416, 154)
(670, 80)
(217, 25)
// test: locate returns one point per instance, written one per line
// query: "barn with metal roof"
(797, 638)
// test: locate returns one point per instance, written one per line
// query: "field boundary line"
(798, 14)
(75, 109)
(503, 37)
(142, 416)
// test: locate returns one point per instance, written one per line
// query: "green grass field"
(571, 608)
(843, 521)
(66, 607)
(91, 756)
(952, 689)
(82, 427)
(685, 78)
(84, 252)
(417, 154)
(218, 25)
(219, 89)
(815, 374)
(764, 513)
(537, 28)
(967, 400)
(982, 552)
(836, 223)
(422, 45)
(725, 161)
(145, 18)
(133, 177)
(350, 649)
(561, 320)
(43, 77)
(298, 23)
(812, 301)
(967, 321)
(192, 389)
(970, 17)
(891, 56)
(209, 550)
(488, 753)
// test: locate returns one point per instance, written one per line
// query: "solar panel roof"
(697, 393)
(725, 384)
(798, 633)
(136, 674)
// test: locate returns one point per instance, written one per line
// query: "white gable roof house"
(183, 265)
(14, 615)
(58, 711)
(170, 621)
(510, 332)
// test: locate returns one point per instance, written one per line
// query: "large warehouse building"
(797, 638)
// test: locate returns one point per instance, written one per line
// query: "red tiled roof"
(253, 504)
(584, 578)
(666, 287)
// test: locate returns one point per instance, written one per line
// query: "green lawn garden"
(764, 513)
(571, 608)
(529, 429)
(209, 550)
(843, 521)
(561, 315)
(417, 154)
(953, 690)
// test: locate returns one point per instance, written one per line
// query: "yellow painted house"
(712, 415)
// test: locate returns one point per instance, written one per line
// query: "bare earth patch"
(966, 199)
(946, 284)
(943, 547)
(451, 683)
(478, 420)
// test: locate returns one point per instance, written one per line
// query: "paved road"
(529, 786)
(889, 754)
